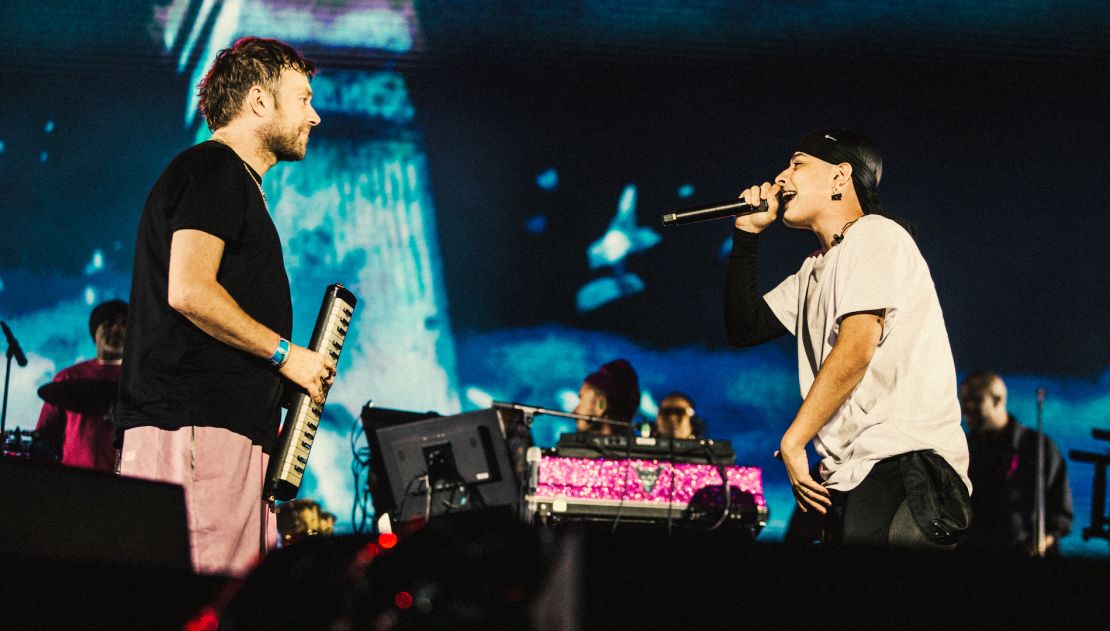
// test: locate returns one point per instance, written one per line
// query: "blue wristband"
(281, 354)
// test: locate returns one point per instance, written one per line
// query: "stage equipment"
(422, 468)
(16, 353)
(721, 210)
(14, 349)
(303, 518)
(568, 489)
(696, 450)
(81, 395)
(1039, 489)
(18, 443)
(530, 411)
(1099, 527)
(286, 469)
(73, 515)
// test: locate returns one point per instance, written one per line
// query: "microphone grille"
(532, 455)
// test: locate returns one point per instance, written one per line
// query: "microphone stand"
(7, 382)
(527, 509)
(531, 411)
(1039, 492)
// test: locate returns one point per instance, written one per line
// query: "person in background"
(83, 437)
(612, 392)
(1003, 469)
(678, 417)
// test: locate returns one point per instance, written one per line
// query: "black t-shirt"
(174, 374)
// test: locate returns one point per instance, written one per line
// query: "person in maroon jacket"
(83, 437)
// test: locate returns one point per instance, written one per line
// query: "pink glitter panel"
(639, 480)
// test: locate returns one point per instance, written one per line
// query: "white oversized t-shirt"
(907, 399)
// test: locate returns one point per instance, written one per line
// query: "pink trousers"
(230, 528)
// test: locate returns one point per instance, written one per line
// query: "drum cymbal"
(81, 395)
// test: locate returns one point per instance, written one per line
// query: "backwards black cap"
(844, 145)
(841, 145)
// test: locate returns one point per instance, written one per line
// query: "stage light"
(403, 600)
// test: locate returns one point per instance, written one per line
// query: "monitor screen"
(425, 467)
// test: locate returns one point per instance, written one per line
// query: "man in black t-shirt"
(211, 314)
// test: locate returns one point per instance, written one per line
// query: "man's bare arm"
(841, 372)
(195, 293)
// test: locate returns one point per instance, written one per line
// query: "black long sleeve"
(748, 319)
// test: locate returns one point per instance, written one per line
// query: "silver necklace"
(257, 184)
(257, 181)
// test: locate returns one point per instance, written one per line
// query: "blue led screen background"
(489, 179)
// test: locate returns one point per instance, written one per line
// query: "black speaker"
(91, 550)
(65, 514)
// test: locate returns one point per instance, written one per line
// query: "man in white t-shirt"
(875, 366)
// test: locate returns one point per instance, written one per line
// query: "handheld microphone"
(13, 346)
(720, 210)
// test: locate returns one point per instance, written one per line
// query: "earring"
(837, 195)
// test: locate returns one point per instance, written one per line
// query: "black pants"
(876, 513)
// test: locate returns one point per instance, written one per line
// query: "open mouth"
(788, 195)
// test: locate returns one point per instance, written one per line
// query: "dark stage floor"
(482, 572)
